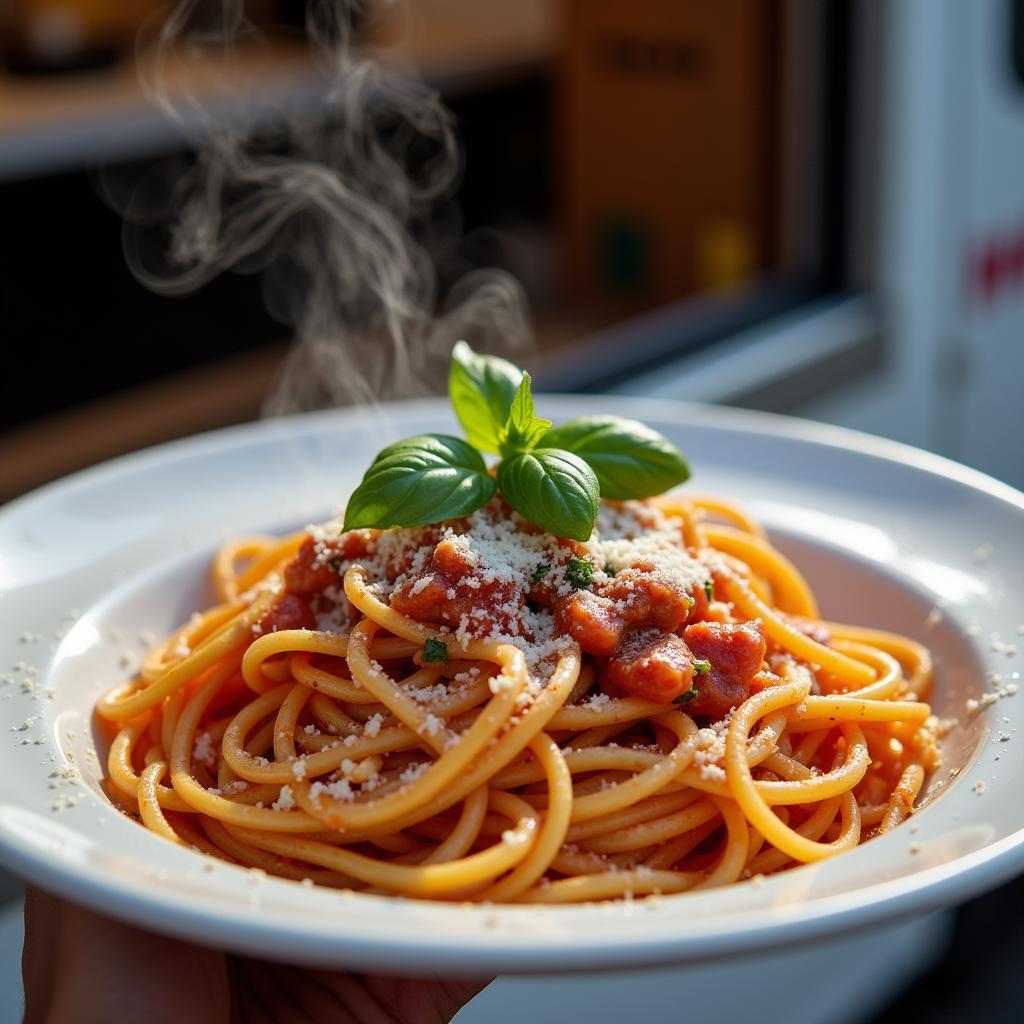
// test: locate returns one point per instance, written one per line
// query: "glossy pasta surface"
(480, 711)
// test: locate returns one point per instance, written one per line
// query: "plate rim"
(794, 427)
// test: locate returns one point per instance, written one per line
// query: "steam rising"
(335, 206)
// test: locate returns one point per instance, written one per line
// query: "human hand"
(83, 968)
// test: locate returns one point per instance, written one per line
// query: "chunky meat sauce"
(302, 575)
(735, 653)
(306, 577)
(638, 598)
(289, 612)
(452, 587)
(652, 664)
(649, 633)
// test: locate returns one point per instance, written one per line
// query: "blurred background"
(805, 207)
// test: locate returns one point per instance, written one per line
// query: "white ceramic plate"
(888, 535)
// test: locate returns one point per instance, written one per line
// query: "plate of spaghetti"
(485, 722)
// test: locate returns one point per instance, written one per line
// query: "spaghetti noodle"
(478, 710)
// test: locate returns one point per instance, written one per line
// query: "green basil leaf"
(629, 459)
(421, 480)
(444, 445)
(524, 428)
(434, 650)
(554, 489)
(481, 389)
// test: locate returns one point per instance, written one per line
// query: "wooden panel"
(667, 116)
(216, 395)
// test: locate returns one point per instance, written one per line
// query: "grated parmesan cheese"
(285, 800)
(433, 725)
(410, 774)
(204, 751)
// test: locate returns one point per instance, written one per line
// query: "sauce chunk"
(654, 665)
(640, 597)
(453, 588)
(289, 612)
(735, 653)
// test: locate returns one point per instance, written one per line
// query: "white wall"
(951, 183)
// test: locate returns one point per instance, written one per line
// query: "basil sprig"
(482, 389)
(553, 476)
(524, 428)
(421, 480)
(556, 490)
(630, 459)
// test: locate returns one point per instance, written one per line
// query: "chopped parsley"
(579, 572)
(709, 589)
(701, 667)
(540, 572)
(685, 698)
(609, 569)
(434, 650)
